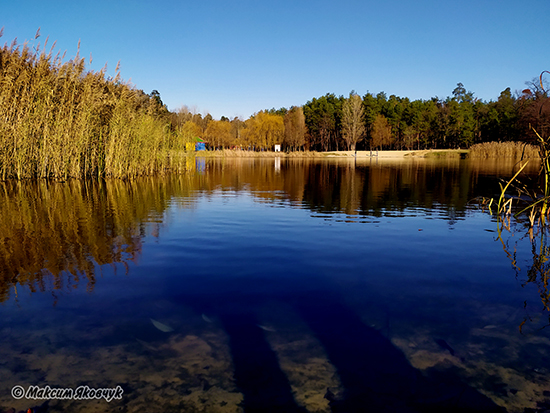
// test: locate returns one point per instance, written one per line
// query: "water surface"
(274, 285)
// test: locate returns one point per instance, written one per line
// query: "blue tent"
(200, 145)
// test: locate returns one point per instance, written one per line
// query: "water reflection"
(53, 235)
(364, 187)
(517, 236)
(291, 286)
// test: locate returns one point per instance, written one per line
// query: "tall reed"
(59, 121)
(539, 198)
(501, 150)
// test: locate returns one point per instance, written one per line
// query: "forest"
(330, 123)
(60, 120)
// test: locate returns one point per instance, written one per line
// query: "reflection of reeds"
(60, 121)
(538, 271)
(52, 235)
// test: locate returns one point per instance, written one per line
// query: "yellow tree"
(189, 132)
(218, 134)
(237, 126)
(226, 131)
(353, 125)
(263, 130)
(245, 134)
(295, 128)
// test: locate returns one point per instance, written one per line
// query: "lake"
(291, 285)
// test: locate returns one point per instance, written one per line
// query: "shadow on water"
(257, 373)
(376, 376)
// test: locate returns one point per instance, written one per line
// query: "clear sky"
(234, 58)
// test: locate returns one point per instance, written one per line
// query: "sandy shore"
(339, 154)
(397, 154)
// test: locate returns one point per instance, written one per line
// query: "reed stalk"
(537, 199)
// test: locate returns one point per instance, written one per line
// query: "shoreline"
(423, 153)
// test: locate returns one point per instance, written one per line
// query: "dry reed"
(60, 121)
(501, 150)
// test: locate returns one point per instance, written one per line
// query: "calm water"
(274, 285)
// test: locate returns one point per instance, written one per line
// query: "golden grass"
(511, 150)
(60, 121)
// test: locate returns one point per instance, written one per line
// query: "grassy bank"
(59, 121)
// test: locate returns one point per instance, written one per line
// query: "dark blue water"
(248, 285)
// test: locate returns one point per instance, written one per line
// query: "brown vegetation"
(513, 150)
(381, 132)
(295, 128)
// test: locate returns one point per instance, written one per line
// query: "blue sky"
(237, 58)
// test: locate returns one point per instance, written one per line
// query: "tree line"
(380, 122)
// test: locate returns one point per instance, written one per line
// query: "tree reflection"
(539, 272)
(56, 236)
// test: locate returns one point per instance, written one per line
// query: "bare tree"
(353, 125)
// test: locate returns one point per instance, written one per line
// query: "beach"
(423, 153)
